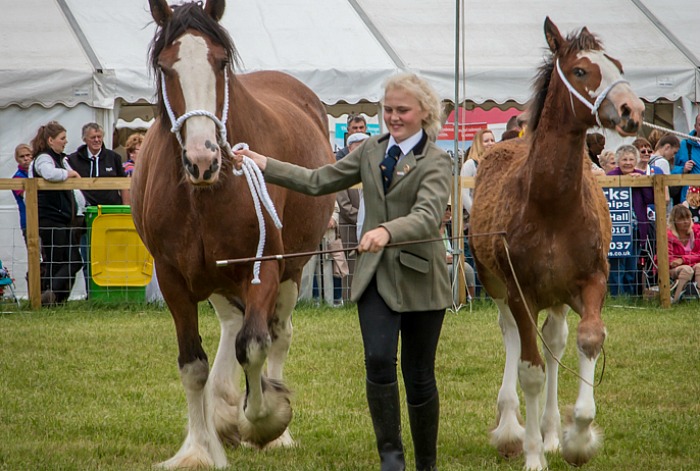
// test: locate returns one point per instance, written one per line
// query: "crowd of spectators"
(62, 223)
(62, 226)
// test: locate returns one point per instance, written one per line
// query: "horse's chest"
(553, 258)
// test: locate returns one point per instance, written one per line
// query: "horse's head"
(595, 79)
(190, 55)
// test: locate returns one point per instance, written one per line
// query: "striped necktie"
(388, 164)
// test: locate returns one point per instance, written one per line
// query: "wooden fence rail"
(31, 186)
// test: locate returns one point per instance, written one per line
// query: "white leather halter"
(592, 106)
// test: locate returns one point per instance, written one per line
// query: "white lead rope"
(258, 190)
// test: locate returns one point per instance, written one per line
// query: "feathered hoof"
(579, 446)
(508, 437)
(551, 443)
(264, 429)
(283, 441)
(193, 457)
(226, 421)
(511, 449)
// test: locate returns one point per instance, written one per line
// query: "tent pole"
(458, 294)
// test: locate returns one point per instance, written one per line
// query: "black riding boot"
(424, 421)
(384, 406)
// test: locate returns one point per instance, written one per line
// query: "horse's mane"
(582, 40)
(187, 16)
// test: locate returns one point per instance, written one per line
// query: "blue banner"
(620, 205)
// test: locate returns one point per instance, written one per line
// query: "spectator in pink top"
(683, 250)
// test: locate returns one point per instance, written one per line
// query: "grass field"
(84, 388)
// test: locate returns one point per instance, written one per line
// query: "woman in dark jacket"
(61, 259)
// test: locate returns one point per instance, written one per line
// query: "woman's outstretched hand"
(260, 160)
(374, 240)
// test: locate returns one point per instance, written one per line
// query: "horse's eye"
(578, 72)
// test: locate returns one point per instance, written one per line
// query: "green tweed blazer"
(411, 277)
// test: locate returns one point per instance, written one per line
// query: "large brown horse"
(190, 210)
(541, 192)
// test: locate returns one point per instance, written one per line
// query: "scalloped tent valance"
(72, 51)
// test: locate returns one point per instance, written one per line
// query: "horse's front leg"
(281, 330)
(224, 380)
(554, 334)
(265, 410)
(508, 434)
(202, 447)
(581, 439)
(532, 377)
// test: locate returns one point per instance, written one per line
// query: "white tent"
(83, 60)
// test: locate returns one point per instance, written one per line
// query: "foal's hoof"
(511, 450)
(580, 444)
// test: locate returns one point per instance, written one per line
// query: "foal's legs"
(224, 381)
(202, 447)
(580, 438)
(531, 377)
(508, 435)
(554, 334)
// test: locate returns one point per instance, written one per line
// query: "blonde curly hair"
(427, 98)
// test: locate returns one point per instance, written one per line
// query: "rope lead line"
(258, 190)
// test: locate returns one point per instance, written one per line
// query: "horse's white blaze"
(609, 72)
(198, 84)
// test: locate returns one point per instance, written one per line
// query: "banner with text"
(620, 204)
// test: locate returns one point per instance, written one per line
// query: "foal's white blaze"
(198, 84)
(609, 72)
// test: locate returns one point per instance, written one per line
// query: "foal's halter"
(598, 101)
(177, 123)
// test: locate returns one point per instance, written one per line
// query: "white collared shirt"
(406, 145)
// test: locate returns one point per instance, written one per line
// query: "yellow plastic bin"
(120, 265)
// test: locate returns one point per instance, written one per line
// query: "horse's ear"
(215, 8)
(554, 38)
(160, 11)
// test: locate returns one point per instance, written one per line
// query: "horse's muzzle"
(202, 172)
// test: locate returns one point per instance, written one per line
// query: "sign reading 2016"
(620, 204)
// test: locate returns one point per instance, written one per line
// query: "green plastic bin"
(120, 265)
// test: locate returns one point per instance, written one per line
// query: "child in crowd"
(23, 157)
(692, 202)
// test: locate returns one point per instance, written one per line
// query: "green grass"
(85, 388)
